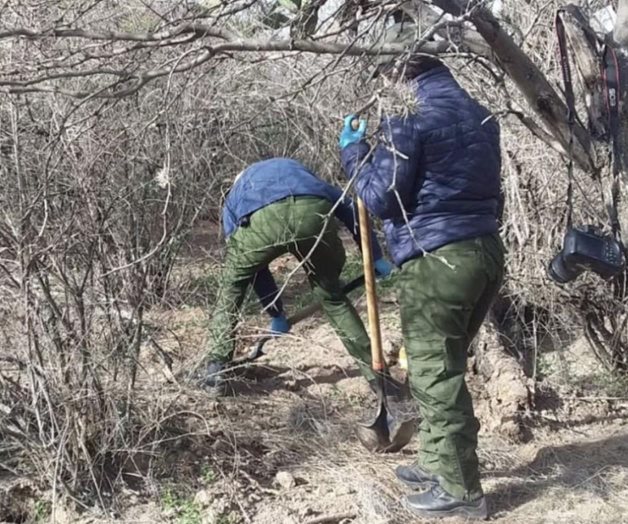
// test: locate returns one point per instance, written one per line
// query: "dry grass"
(295, 413)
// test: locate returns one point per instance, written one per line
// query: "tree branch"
(539, 93)
(207, 52)
(199, 30)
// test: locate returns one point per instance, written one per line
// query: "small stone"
(285, 480)
(341, 490)
(203, 498)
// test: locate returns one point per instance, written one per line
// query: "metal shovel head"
(385, 434)
(375, 435)
(401, 433)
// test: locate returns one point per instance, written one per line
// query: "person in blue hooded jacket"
(275, 207)
(433, 176)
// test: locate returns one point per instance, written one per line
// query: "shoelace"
(437, 491)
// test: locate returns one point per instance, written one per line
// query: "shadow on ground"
(577, 467)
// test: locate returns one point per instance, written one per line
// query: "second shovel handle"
(377, 357)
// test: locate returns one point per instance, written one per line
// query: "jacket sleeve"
(266, 289)
(225, 221)
(387, 175)
(346, 212)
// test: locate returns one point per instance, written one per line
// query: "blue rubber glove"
(279, 325)
(350, 135)
(383, 268)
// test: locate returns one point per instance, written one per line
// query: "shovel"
(384, 434)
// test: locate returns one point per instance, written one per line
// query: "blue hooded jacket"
(270, 181)
(434, 175)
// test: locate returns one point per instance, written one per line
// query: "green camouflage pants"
(444, 298)
(292, 225)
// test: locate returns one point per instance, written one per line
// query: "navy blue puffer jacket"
(434, 175)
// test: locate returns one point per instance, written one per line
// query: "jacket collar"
(434, 82)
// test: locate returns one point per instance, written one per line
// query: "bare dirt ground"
(283, 450)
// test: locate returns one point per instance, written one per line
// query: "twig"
(325, 519)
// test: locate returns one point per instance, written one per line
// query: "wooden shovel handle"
(377, 358)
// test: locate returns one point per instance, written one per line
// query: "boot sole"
(480, 513)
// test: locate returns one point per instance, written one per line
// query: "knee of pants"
(330, 293)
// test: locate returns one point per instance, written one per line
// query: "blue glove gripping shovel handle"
(258, 350)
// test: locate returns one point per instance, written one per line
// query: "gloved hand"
(349, 135)
(279, 325)
(383, 268)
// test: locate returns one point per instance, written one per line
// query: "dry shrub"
(99, 195)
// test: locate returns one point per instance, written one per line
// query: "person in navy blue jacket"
(433, 176)
(274, 207)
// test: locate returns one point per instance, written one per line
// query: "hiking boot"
(437, 503)
(212, 379)
(414, 477)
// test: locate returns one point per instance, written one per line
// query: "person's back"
(461, 162)
(269, 181)
(449, 178)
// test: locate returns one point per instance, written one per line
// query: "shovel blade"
(401, 434)
(375, 435)
(403, 423)
(384, 434)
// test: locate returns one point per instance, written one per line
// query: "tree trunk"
(509, 391)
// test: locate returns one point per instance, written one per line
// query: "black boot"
(437, 503)
(414, 477)
(212, 379)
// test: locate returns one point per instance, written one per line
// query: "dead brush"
(99, 195)
(86, 448)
